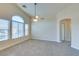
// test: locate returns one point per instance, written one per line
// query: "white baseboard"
(75, 47)
(58, 41)
(44, 39)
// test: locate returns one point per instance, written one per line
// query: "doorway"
(65, 30)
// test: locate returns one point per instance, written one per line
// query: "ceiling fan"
(36, 17)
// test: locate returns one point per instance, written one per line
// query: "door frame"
(64, 28)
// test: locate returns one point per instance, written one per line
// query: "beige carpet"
(40, 48)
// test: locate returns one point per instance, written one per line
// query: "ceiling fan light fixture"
(35, 20)
(36, 17)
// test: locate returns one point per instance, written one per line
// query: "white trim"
(44, 40)
(58, 41)
(75, 47)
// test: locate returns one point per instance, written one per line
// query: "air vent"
(24, 6)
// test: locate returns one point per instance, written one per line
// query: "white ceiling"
(46, 10)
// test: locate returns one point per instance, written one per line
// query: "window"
(15, 32)
(21, 29)
(18, 19)
(4, 27)
(17, 27)
(26, 29)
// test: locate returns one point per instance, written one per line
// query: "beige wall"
(7, 10)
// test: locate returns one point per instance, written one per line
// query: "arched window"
(18, 19)
(17, 27)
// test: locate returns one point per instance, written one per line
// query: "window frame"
(7, 29)
(18, 27)
(10, 29)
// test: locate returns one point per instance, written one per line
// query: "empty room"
(39, 29)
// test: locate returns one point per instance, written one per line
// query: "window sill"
(12, 42)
